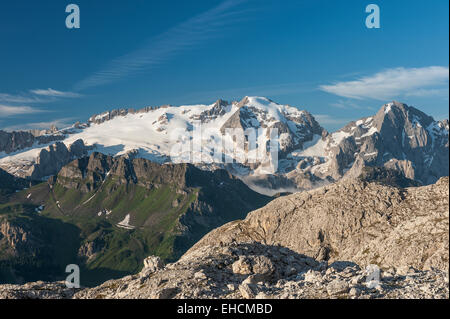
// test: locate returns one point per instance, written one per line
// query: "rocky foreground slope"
(316, 244)
(249, 271)
(366, 223)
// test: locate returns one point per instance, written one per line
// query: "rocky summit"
(367, 223)
(353, 239)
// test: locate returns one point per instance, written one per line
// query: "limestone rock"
(337, 287)
(153, 263)
(366, 223)
(246, 291)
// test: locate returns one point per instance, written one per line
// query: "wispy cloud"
(10, 110)
(177, 39)
(392, 83)
(36, 96)
(54, 93)
(10, 98)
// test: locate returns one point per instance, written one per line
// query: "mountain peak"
(388, 107)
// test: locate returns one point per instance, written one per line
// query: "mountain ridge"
(398, 137)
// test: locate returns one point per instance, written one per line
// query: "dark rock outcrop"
(17, 140)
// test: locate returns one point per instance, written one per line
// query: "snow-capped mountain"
(398, 137)
(152, 133)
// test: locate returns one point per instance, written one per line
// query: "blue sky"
(317, 55)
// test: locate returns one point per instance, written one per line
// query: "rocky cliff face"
(88, 173)
(17, 140)
(295, 128)
(10, 183)
(31, 245)
(48, 160)
(366, 223)
(398, 137)
(51, 159)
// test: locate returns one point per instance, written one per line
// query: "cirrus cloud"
(155, 51)
(9, 110)
(54, 93)
(391, 83)
(10, 98)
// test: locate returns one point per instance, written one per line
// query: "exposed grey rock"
(186, 279)
(398, 138)
(48, 162)
(19, 140)
(152, 264)
(337, 287)
(246, 291)
(354, 292)
(37, 290)
(361, 222)
(242, 266)
(297, 128)
(312, 276)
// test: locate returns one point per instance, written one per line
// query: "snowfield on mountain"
(398, 137)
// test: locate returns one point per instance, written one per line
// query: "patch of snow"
(125, 223)
(371, 131)
(338, 137)
(388, 108)
(315, 147)
(371, 154)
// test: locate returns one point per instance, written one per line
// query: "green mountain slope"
(110, 213)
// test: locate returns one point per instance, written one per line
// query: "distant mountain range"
(398, 137)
